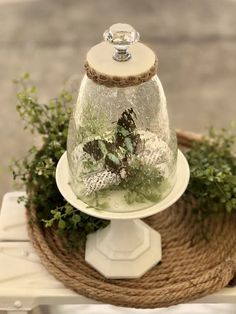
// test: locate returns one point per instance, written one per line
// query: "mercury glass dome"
(121, 151)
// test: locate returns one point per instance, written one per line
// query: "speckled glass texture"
(95, 120)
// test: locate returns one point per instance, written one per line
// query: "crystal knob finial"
(121, 36)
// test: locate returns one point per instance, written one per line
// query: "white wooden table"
(25, 283)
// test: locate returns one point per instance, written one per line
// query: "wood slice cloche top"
(120, 61)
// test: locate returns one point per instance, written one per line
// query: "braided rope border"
(116, 81)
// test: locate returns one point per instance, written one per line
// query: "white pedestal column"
(124, 249)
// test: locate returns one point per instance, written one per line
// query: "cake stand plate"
(127, 247)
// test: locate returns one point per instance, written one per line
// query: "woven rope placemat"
(191, 267)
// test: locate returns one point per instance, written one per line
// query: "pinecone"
(100, 180)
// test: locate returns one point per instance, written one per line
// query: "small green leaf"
(76, 219)
(33, 89)
(61, 224)
(26, 76)
(69, 209)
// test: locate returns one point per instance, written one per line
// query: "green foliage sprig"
(212, 164)
(143, 184)
(37, 170)
(213, 173)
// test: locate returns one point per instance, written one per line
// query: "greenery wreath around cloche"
(211, 159)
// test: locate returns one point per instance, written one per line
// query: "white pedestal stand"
(124, 249)
(128, 247)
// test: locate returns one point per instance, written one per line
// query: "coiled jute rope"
(191, 267)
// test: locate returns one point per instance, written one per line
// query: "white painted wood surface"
(25, 283)
(100, 58)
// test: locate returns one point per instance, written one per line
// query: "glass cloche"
(121, 151)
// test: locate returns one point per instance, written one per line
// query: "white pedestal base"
(128, 247)
(124, 249)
